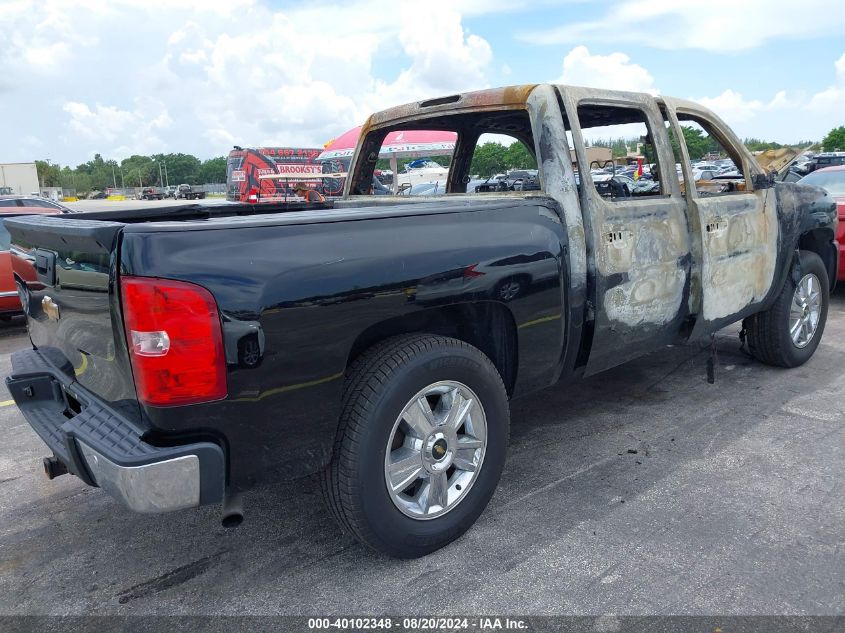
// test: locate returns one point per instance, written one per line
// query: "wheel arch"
(486, 325)
(821, 242)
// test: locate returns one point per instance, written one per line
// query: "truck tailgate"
(65, 269)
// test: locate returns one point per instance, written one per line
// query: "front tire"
(421, 444)
(788, 333)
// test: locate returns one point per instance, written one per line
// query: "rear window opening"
(451, 154)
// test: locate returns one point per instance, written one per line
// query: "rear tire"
(788, 333)
(382, 387)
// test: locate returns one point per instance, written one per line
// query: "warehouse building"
(19, 178)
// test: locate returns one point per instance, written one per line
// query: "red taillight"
(175, 341)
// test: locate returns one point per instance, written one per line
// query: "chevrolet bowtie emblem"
(50, 308)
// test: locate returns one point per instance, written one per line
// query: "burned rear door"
(638, 238)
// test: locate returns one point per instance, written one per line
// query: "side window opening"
(716, 167)
(623, 162)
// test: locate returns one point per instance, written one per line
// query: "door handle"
(618, 238)
(716, 226)
(45, 266)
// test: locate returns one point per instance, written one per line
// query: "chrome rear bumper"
(104, 448)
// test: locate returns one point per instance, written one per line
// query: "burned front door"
(735, 227)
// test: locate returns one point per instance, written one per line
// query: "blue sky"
(142, 76)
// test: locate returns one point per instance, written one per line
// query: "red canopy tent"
(399, 144)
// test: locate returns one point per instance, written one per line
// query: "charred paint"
(638, 269)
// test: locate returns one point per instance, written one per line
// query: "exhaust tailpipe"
(233, 510)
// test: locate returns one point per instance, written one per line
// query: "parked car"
(704, 174)
(32, 204)
(618, 186)
(375, 367)
(494, 183)
(10, 302)
(820, 161)
(522, 180)
(705, 166)
(424, 189)
(832, 180)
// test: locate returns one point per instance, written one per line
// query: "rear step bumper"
(104, 448)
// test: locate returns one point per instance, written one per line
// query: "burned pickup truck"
(181, 356)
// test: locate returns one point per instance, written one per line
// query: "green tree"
(212, 170)
(49, 175)
(488, 159)
(618, 146)
(517, 156)
(758, 145)
(697, 143)
(181, 168)
(138, 171)
(835, 140)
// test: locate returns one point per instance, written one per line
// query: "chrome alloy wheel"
(435, 450)
(805, 311)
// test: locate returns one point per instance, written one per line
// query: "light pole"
(160, 177)
(113, 178)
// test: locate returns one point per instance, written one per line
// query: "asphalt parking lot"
(644, 490)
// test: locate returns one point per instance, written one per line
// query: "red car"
(23, 204)
(10, 303)
(832, 179)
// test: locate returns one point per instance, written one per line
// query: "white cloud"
(226, 72)
(445, 58)
(832, 99)
(783, 117)
(47, 40)
(284, 84)
(117, 131)
(238, 71)
(717, 25)
(732, 106)
(612, 72)
(105, 122)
